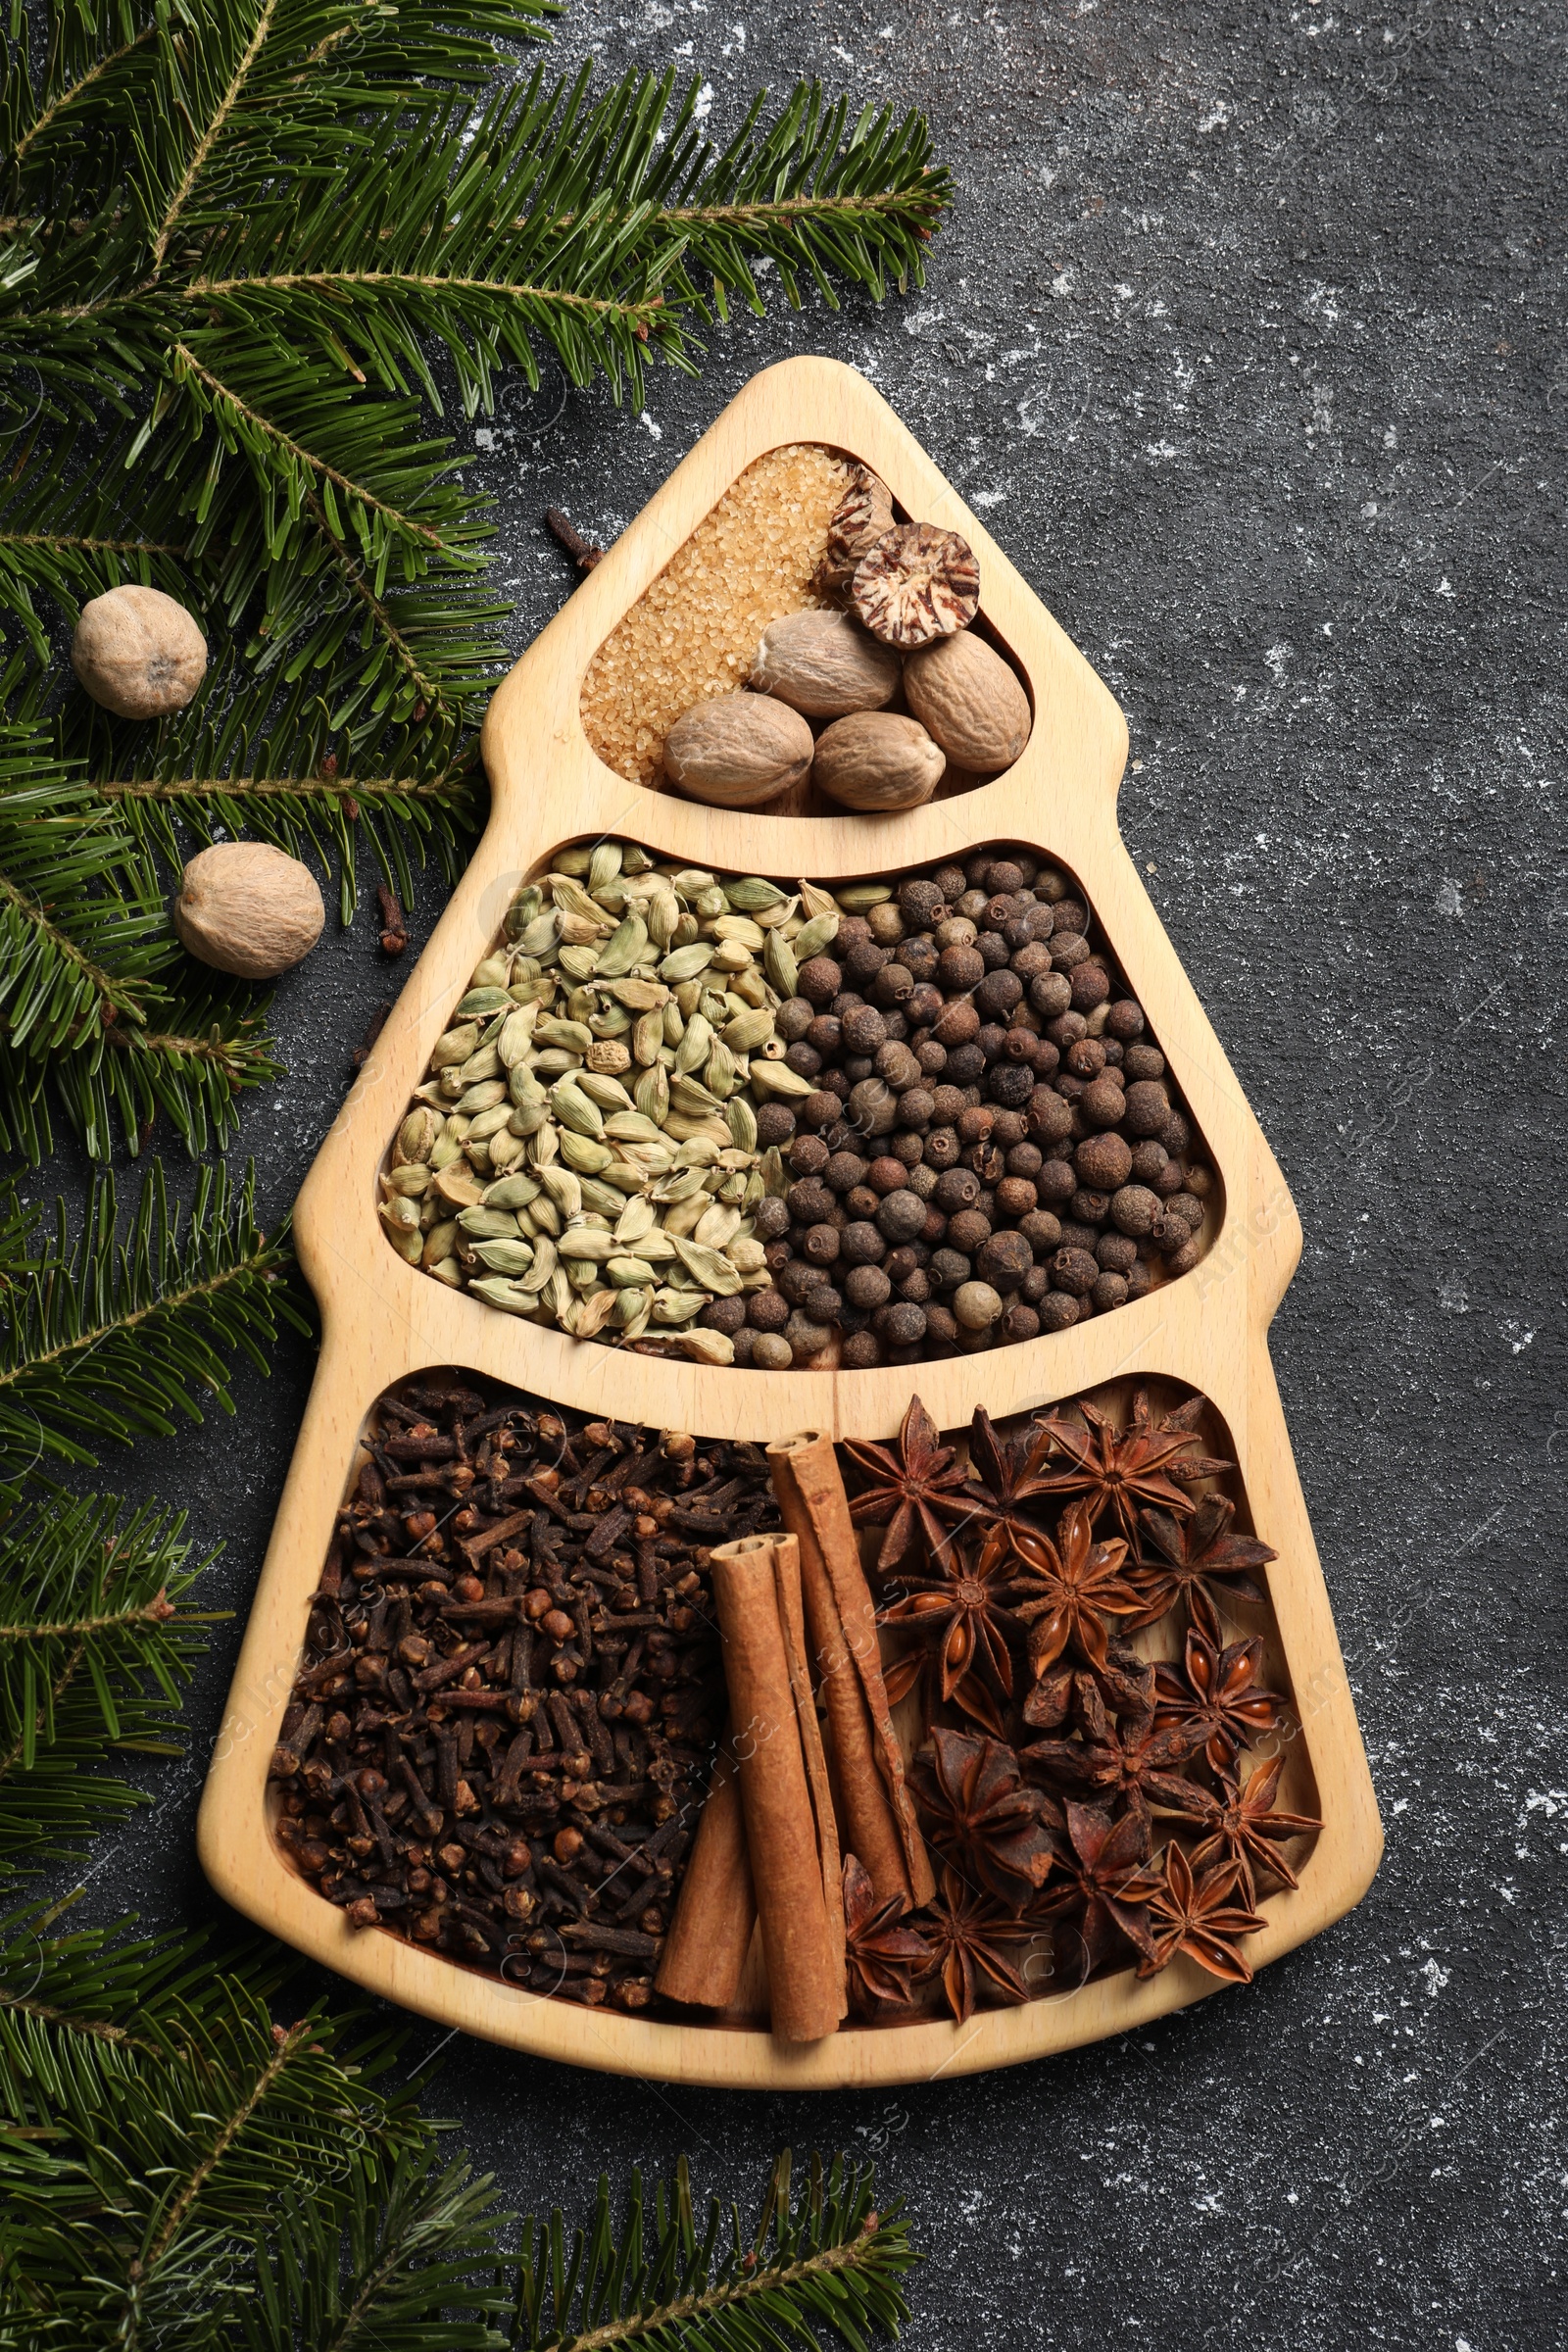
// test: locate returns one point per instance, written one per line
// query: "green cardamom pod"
(575, 1037)
(814, 937)
(505, 1258)
(604, 1090)
(480, 1000)
(539, 936)
(692, 1051)
(603, 866)
(516, 1035)
(741, 1120)
(664, 920)
(635, 1219)
(652, 1093)
(721, 1077)
(639, 995)
(418, 1136)
(622, 948)
(775, 1177)
(707, 1266)
(684, 963)
(510, 1296)
(778, 961)
(582, 1152)
(748, 1030)
(455, 1046)
(482, 1097)
(777, 1078)
(486, 1063)
(647, 1036)
(563, 1189)
(752, 893)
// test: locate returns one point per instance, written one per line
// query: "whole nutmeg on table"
(970, 702)
(139, 653)
(824, 664)
(916, 583)
(876, 759)
(245, 907)
(738, 750)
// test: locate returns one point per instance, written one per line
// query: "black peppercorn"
(867, 1287)
(770, 1218)
(1074, 1271)
(1143, 1061)
(1057, 1311)
(723, 1314)
(820, 979)
(767, 1311)
(893, 985)
(1103, 1101)
(862, 1243)
(1111, 1290)
(775, 1125)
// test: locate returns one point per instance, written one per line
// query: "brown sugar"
(694, 631)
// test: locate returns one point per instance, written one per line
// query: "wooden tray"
(382, 1318)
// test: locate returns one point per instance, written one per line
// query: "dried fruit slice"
(857, 524)
(917, 584)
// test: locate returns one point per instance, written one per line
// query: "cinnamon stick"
(711, 1932)
(782, 1782)
(878, 1822)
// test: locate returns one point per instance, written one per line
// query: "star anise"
(1125, 1470)
(981, 1811)
(1219, 1690)
(1196, 1913)
(1004, 1473)
(916, 1489)
(1244, 1826)
(1069, 1590)
(882, 1951)
(962, 1612)
(1198, 1556)
(1106, 1877)
(972, 1936)
(1127, 1761)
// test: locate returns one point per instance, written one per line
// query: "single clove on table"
(500, 1734)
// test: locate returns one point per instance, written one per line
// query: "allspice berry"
(245, 907)
(139, 653)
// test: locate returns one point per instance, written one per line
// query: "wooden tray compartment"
(1297, 1789)
(382, 1319)
(648, 838)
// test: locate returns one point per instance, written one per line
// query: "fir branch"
(212, 132)
(828, 2261)
(113, 1338)
(94, 1651)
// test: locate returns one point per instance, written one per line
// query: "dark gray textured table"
(1244, 338)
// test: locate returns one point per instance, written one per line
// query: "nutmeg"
(824, 664)
(916, 583)
(857, 524)
(970, 702)
(876, 759)
(139, 653)
(738, 750)
(246, 907)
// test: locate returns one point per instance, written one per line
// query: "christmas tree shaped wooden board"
(384, 1319)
